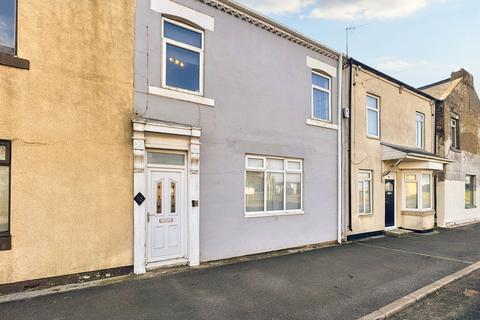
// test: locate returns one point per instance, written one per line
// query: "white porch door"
(166, 215)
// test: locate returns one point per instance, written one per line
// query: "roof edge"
(271, 23)
(392, 79)
(434, 84)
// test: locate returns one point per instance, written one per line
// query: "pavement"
(342, 282)
(459, 300)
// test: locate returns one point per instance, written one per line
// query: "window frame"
(422, 142)
(5, 236)
(367, 108)
(15, 22)
(200, 51)
(474, 188)
(265, 170)
(455, 137)
(370, 179)
(329, 91)
(419, 181)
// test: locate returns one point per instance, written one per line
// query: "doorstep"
(398, 233)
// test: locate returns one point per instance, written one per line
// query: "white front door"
(166, 216)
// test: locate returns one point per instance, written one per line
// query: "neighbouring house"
(458, 139)
(236, 135)
(66, 95)
(390, 152)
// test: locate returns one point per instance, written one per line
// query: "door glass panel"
(274, 191)
(173, 197)
(254, 191)
(159, 196)
(171, 159)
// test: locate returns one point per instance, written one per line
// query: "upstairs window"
(373, 116)
(455, 133)
(183, 57)
(420, 130)
(8, 26)
(321, 94)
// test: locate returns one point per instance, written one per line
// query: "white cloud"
(342, 9)
(398, 64)
(278, 6)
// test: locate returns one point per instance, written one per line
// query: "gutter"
(339, 152)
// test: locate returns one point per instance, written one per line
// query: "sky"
(416, 41)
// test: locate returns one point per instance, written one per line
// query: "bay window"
(272, 185)
(418, 191)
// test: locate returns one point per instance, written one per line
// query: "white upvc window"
(420, 130)
(183, 57)
(418, 191)
(365, 195)
(273, 186)
(321, 97)
(373, 116)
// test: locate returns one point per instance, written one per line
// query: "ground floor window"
(5, 156)
(364, 184)
(273, 184)
(418, 191)
(470, 191)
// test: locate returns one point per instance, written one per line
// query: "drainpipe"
(350, 138)
(339, 152)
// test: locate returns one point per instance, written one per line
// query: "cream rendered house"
(391, 157)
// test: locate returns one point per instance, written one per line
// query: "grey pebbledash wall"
(262, 90)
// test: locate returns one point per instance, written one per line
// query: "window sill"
(365, 214)
(273, 214)
(470, 207)
(5, 243)
(322, 124)
(168, 93)
(373, 137)
(14, 62)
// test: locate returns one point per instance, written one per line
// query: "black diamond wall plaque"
(139, 198)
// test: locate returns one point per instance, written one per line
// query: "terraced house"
(458, 139)
(236, 138)
(66, 92)
(390, 151)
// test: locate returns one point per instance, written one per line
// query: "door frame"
(183, 198)
(391, 176)
(149, 134)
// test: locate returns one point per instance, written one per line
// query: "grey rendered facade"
(261, 86)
